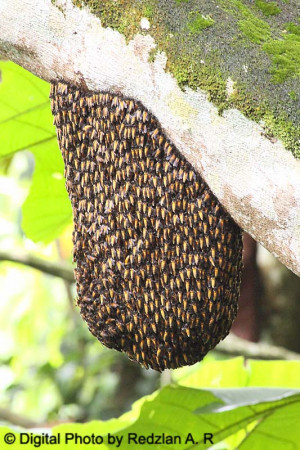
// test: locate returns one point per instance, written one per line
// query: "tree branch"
(15, 419)
(235, 346)
(57, 269)
(256, 180)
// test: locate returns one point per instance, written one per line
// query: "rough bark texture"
(255, 178)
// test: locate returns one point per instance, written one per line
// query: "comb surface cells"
(158, 258)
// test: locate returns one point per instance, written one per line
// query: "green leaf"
(186, 415)
(26, 123)
(47, 209)
(274, 373)
(25, 116)
(213, 374)
(237, 372)
(279, 430)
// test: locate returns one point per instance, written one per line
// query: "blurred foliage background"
(51, 369)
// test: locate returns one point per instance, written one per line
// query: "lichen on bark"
(206, 43)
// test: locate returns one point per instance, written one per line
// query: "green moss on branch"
(268, 8)
(258, 51)
(285, 54)
(256, 30)
(199, 23)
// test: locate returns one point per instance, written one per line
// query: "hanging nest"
(158, 258)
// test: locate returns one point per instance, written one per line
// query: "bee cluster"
(158, 258)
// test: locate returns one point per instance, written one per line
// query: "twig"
(57, 269)
(68, 287)
(234, 346)
(15, 419)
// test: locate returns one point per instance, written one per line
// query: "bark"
(255, 178)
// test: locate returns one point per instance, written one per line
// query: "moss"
(199, 23)
(285, 55)
(255, 29)
(117, 15)
(284, 52)
(293, 95)
(241, 100)
(293, 28)
(279, 126)
(59, 7)
(197, 75)
(275, 126)
(190, 72)
(200, 62)
(152, 54)
(268, 8)
(149, 11)
(112, 15)
(78, 3)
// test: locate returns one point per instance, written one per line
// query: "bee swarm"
(158, 258)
